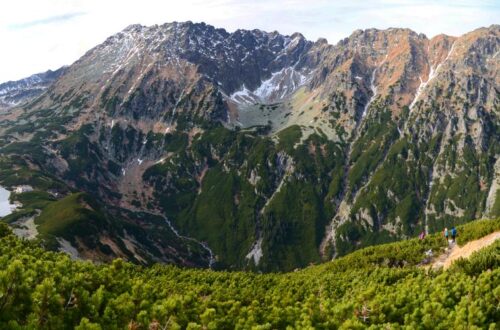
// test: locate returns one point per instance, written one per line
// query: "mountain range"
(187, 144)
(14, 93)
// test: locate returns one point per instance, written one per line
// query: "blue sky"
(45, 34)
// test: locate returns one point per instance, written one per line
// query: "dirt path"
(454, 252)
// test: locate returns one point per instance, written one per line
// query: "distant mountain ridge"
(262, 150)
(14, 93)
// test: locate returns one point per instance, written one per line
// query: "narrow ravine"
(174, 110)
(373, 87)
(432, 74)
(343, 204)
(204, 245)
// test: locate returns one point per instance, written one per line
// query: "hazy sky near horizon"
(38, 35)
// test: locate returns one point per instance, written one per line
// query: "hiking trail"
(454, 252)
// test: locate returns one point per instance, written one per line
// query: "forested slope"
(377, 287)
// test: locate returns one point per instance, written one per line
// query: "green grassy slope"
(377, 287)
(234, 188)
(75, 215)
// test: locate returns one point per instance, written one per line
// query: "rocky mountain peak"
(291, 142)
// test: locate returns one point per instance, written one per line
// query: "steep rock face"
(391, 65)
(257, 150)
(463, 104)
(435, 166)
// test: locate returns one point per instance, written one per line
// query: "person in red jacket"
(422, 235)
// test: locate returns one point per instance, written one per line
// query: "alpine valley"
(187, 144)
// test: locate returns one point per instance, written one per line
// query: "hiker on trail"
(453, 234)
(446, 233)
(422, 235)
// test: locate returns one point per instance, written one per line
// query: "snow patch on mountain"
(432, 74)
(281, 84)
(373, 88)
(14, 93)
(244, 96)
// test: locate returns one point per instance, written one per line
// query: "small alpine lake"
(6, 207)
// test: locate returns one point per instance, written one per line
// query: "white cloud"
(45, 34)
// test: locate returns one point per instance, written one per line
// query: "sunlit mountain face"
(183, 143)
